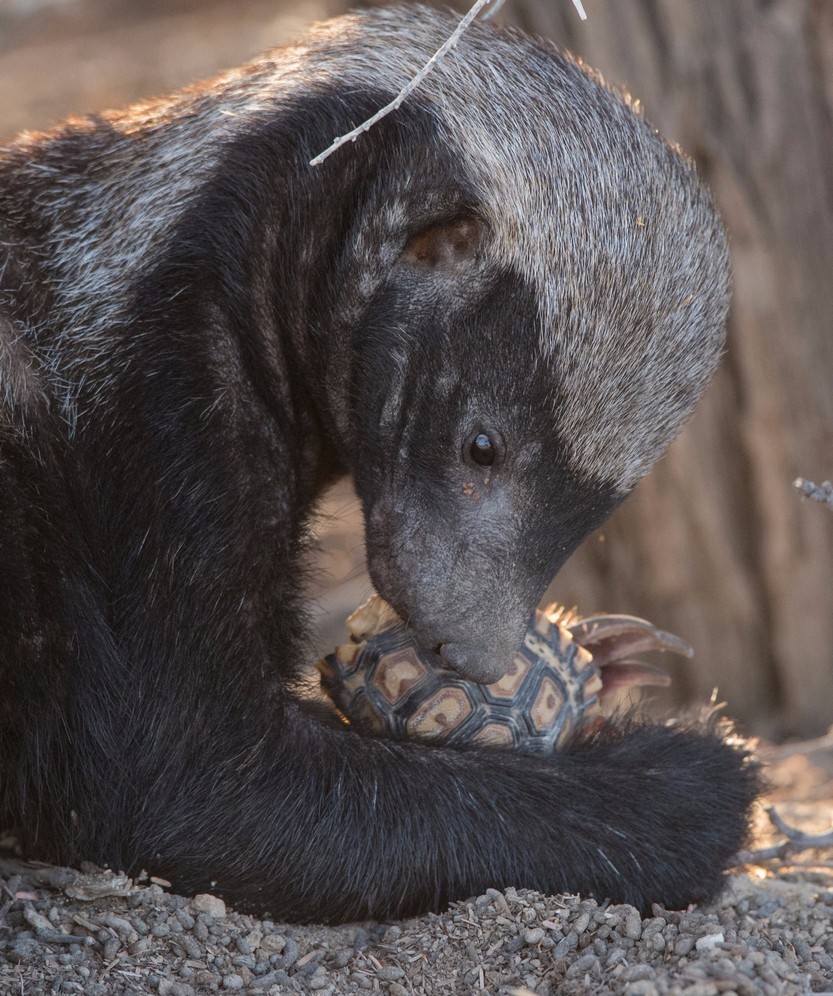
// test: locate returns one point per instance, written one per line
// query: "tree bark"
(715, 545)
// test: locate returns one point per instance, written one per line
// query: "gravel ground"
(771, 936)
(96, 933)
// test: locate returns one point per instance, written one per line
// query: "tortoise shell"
(384, 683)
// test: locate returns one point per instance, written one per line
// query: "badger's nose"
(474, 662)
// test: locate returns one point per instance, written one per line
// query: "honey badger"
(494, 310)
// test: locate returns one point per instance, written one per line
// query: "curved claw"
(620, 675)
(611, 638)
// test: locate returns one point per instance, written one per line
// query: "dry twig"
(817, 492)
(796, 841)
(822, 743)
(414, 82)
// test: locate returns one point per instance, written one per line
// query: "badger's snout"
(483, 664)
(480, 644)
(468, 601)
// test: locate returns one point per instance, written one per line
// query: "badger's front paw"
(679, 809)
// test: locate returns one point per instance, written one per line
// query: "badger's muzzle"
(478, 663)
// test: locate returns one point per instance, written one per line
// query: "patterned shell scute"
(384, 683)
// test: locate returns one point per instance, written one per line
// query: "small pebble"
(320, 982)
(390, 973)
(291, 953)
(212, 905)
(643, 987)
(633, 924)
(272, 944)
(709, 942)
(683, 945)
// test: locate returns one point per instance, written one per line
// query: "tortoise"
(384, 683)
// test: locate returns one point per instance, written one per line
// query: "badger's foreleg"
(313, 823)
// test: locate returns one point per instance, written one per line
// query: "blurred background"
(715, 545)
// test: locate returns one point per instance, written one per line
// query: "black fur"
(160, 454)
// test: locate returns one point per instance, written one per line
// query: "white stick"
(495, 8)
(412, 84)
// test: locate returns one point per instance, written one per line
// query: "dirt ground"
(96, 933)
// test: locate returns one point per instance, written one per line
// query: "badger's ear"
(448, 246)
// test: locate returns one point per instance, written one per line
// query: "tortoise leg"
(614, 639)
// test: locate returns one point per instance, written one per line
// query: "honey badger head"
(540, 294)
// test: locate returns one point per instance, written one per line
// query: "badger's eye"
(483, 450)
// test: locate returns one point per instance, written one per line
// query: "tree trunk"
(715, 545)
